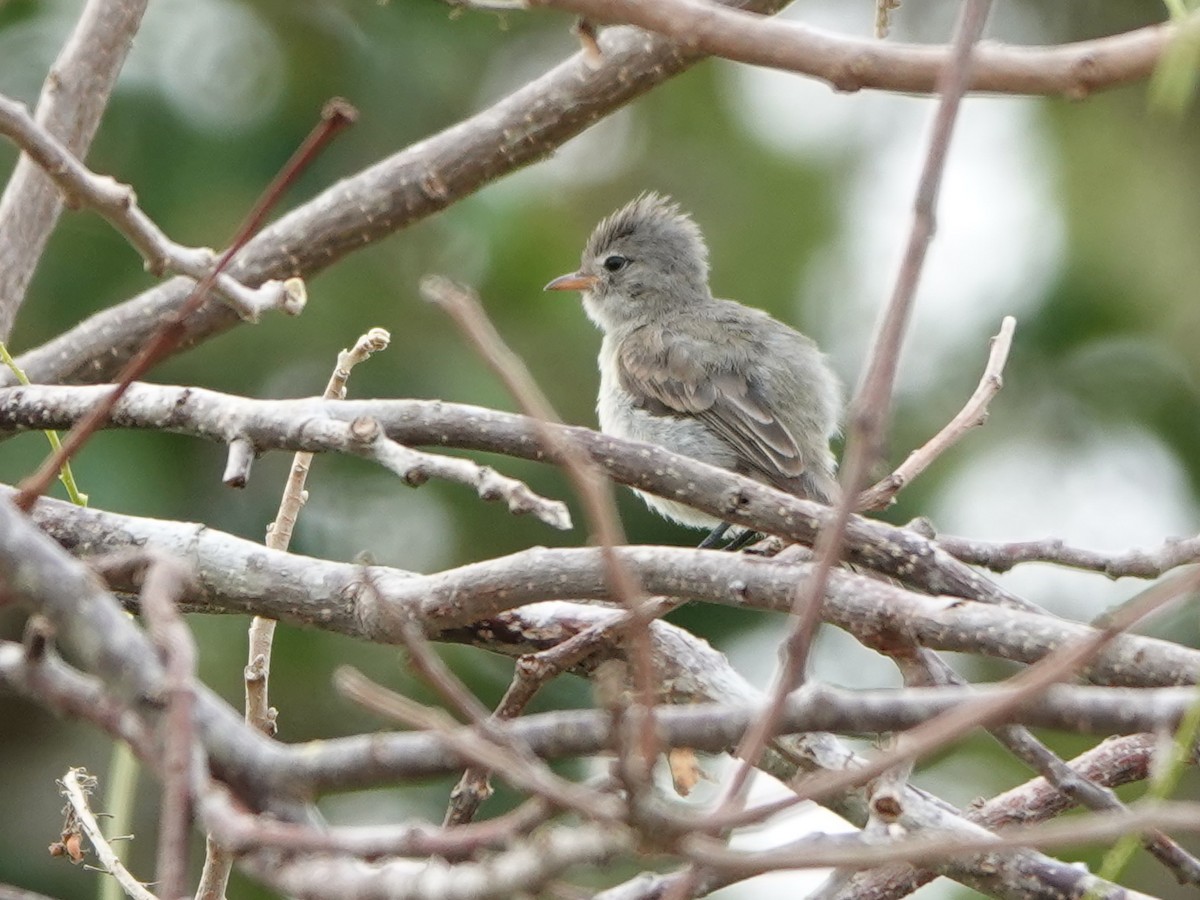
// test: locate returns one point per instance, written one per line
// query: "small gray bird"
(707, 378)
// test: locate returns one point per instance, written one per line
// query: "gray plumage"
(708, 378)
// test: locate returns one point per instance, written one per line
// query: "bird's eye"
(616, 263)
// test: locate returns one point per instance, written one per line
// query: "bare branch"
(242, 832)
(851, 64)
(76, 785)
(318, 425)
(73, 100)
(518, 871)
(367, 439)
(118, 204)
(708, 726)
(1000, 557)
(974, 413)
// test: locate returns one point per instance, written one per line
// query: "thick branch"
(851, 64)
(37, 574)
(712, 726)
(516, 872)
(321, 425)
(244, 577)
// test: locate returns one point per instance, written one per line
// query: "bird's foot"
(737, 543)
(714, 536)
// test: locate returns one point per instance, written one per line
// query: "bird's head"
(646, 258)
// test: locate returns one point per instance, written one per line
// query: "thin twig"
(218, 862)
(279, 535)
(415, 467)
(479, 749)
(1000, 557)
(76, 786)
(870, 408)
(165, 581)
(592, 488)
(974, 413)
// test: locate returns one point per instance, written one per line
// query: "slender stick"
(869, 411)
(218, 862)
(593, 489)
(337, 115)
(973, 414)
(76, 786)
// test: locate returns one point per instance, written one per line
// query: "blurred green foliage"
(1106, 342)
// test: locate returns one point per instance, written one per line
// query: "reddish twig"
(166, 580)
(869, 410)
(336, 115)
(593, 489)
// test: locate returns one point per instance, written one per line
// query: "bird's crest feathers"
(650, 218)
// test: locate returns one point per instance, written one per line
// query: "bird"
(711, 379)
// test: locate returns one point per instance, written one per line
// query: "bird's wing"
(665, 378)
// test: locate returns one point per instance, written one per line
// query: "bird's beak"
(576, 281)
